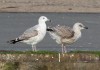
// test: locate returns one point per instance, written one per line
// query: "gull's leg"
(32, 47)
(62, 48)
(65, 51)
(35, 48)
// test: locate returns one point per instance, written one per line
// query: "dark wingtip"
(48, 29)
(11, 41)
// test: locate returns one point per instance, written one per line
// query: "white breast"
(77, 35)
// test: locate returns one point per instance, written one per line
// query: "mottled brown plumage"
(64, 31)
(65, 35)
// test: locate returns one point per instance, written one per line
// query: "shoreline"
(49, 9)
(78, 6)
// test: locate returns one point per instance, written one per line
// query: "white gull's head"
(43, 19)
(79, 26)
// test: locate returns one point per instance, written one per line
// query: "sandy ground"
(50, 6)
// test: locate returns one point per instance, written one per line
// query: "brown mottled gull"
(65, 35)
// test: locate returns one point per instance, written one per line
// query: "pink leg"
(62, 48)
(32, 47)
(65, 49)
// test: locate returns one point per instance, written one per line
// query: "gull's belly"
(55, 37)
(31, 40)
(68, 41)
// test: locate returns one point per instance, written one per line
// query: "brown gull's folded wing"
(64, 31)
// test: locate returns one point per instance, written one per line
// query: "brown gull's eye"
(80, 25)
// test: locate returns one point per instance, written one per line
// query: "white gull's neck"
(42, 23)
(77, 34)
(42, 27)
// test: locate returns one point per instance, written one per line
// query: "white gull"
(65, 35)
(33, 35)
